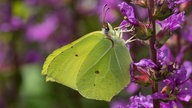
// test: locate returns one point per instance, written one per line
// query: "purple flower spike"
(140, 102)
(173, 22)
(128, 11)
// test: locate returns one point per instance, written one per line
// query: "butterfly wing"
(64, 63)
(104, 73)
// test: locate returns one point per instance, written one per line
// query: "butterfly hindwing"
(108, 72)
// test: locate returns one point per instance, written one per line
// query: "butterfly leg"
(131, 39)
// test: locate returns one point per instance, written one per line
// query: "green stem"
(156, 103)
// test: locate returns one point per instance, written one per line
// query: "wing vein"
(96, 61)
(118, 61)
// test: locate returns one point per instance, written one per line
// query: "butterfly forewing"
(63, 64)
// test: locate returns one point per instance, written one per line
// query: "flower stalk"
(153, 51)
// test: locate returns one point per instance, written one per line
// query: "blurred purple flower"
(32, 56)
(173, 4)
(188, 67)
(180, 1)
(140, 102)
(128, 12)
(7, 21)
(186, 32)
(112, 15)
(41, 32)
(173, 22)
(87, 6)
(132, 88)
(118, 104)
(180, 55)
(15, 23)
(140, 12)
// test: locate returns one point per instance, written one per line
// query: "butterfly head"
(107, 29)
(110, 32)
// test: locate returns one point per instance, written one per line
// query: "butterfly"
(96, 65)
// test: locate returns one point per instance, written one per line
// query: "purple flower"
(173, 22)
(173, 4)
(171, 104)
(185, 89)
(146, 63)
(140, 102)
(164, 56)
(141, 71)
(128, 12)
(124, 24)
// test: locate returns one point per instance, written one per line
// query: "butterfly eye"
(106, 27)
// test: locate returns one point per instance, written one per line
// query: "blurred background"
(31, 29)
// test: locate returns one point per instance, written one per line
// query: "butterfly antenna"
(104, 13)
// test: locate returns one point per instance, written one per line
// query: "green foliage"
(20, 9)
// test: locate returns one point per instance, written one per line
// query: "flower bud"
(142, 32)
(163, 11)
